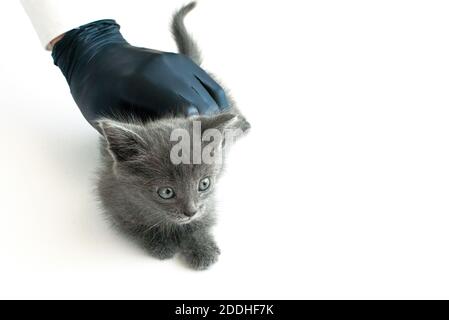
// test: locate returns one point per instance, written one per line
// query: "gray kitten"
(167, 208)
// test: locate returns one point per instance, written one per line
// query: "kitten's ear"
(230, 125)
(124, 142)
(226, 122)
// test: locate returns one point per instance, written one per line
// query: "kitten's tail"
(184, 41)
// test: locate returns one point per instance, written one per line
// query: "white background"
(340, 191)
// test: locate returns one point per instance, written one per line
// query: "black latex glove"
(108, 77)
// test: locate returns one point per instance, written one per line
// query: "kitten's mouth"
(184, 220)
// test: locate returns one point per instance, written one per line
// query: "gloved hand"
(108, 77)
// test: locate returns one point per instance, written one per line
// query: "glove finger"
(209, 102)
(190, 111)
(213, 88)
(186, 107)
(198, 97)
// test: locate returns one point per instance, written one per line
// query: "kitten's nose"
(190, 213)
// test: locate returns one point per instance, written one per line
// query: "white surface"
(340, 191)
(51, 18)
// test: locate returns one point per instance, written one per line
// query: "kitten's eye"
(204, 184)
(166, 193)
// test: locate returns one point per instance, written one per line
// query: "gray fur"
(135, 163)
(184, 41)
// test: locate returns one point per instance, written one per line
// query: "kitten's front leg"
(200, 250)
(160, 247)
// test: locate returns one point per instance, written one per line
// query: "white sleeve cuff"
(52, 18)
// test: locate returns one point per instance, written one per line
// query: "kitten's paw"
(202, 257)
(163, 252)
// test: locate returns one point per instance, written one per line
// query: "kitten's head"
(157, 165)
